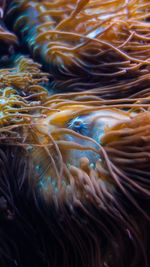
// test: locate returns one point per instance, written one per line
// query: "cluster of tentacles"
(75, 133)
(101, 40)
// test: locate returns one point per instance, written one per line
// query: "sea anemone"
(98, 41)
(78, 190)
(74, 167)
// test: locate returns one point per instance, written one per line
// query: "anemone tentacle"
(76, 159)
(80, 39)
(74, 167)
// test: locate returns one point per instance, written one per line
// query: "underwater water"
(75, 133)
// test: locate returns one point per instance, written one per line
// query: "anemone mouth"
(71, 165)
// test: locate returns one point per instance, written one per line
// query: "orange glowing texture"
(101, 39)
